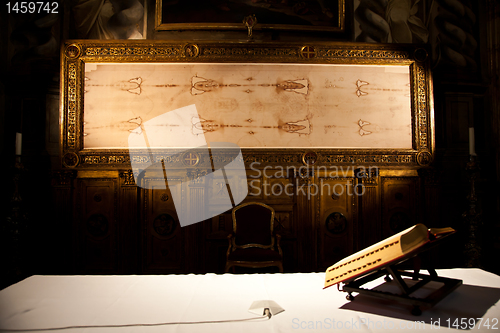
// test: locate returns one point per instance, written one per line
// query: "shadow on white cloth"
(467, 301)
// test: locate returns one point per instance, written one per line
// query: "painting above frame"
(346, 103)
(317, 15)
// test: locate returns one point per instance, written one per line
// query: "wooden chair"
(252, 243)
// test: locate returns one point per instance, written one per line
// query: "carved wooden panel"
(280, 192)
(459, 114)
(130, 225)
(97, 231)
(369, 207)
(163, 238)
(400, 198)
(322, 217)
(336, 220)
(215, 243)
(63, 192)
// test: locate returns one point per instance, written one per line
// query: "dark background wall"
(41, 204)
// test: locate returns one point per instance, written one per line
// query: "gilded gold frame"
(160, 25)
(75, 53)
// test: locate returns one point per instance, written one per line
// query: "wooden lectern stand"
(387, 258)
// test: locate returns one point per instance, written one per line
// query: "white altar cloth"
(61, 301)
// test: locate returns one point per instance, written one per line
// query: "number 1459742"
(31, 7)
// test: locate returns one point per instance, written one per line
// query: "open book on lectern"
(390, 251)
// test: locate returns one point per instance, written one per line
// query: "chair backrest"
(253, 224)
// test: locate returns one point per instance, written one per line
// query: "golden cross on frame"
(308, 52)
(191, 159)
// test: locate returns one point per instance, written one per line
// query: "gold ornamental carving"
(250, 21)
(72, 95)
(127, 178)
(196, 175)
(72, 51)
(310, 158)
(191, 50)
(424, 158)
(362, 54)
(70, 160)
(190, 158)
(307, 52)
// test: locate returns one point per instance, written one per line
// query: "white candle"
(472, 144)
(19, 139)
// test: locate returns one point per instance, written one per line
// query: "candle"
(472, 145)
(19, 139)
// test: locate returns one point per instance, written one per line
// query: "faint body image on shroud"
(253, 105)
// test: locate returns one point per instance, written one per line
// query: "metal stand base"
(405, 298)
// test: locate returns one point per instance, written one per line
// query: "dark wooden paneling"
(128, 217)
(164, 244)
(399, 204)
(321, 219)
(97, 231)
(336, 220)
(369, 207)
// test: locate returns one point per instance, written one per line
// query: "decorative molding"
(131, 51)
(190, 158)
(349, 181)
(310, 158)
(70, 160)
(424, 158)
(250, 21)
(164, 225)
(390, 179)
(328, 157)
(196, 175)
(191, 50)
(473, 218)
(72, 51)
(72, 95)
(302, 176)
(307, 52)
(365, 55)
(368, 177)
(323, 179)
(127, 178)
(248, 52)
(422, 108)
(396, 159)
